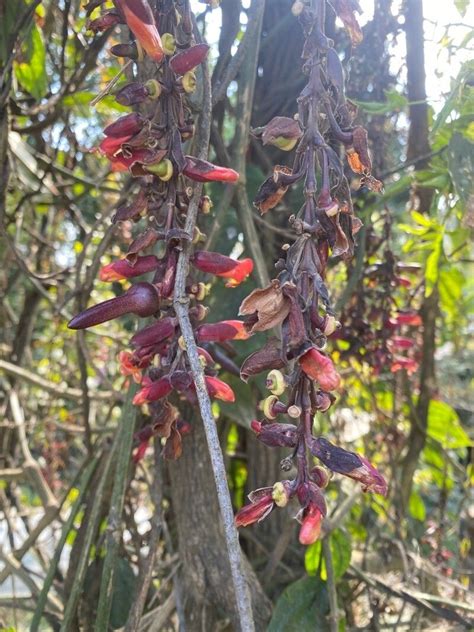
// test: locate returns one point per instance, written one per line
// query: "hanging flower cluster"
(298, 300)
(377, 324)
(149, 144)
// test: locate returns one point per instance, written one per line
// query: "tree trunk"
(418, 150)
(207, 585)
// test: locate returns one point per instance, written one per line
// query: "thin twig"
(331, 586)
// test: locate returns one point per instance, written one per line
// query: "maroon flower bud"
(319, 367)
(153, 391)
(132, 94)
(141, 299)
(220, 332)
(141, 242)
(408, 364)
(129, 50)
(222, 266)
(154, 334)
(140, 452)
(140, 20)
(127, 125)
(311, 523)
(276, 435)
(105, 21)
(271, 191)
(407, 318)
(205, 357)
(111, 146)
(203, 171)
(123, 269)
(400, 342)
(269, 357)
(189, 59)
(261, 505)
(323, 401)
(219, 389)
(349, 464)
(309, 493)
(131, 211)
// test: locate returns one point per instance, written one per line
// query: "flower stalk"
(303, 378)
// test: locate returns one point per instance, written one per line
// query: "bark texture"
(418, 150)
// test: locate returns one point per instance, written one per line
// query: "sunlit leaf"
(416, 507)
(31, 71)
(444, 426)
(341, 555)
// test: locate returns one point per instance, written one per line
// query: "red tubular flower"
(123, 269)
(219, 389)
(140, 20)
(104, 22)
(112, 145)
(402, 281)
(261, 504)
(142, 299)
(222, 266)
(141, 451)
(222, 331)
(400, 342)
(188, 59)
(127, 125)
(370, 477)
(129, 367)
(154, 334)
(132, 94)
(153, 391)
(133, 162)
(408, 318)
(310, 525)
(319, 367)
(276, 435)
(408, 364)
(203, 171)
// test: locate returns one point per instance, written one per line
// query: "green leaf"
(451, 101)
(341, 555)
(416, 507)
(394, 103)
(302, 606)
(450, 284)
(461, 6)
(461, 165)
(31, 73)
(432, 267)
(444, 426)
(421, 219)
(124, 593)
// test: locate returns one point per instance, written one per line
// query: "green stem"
(68, 525)
(80, 573)
(114, 533)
